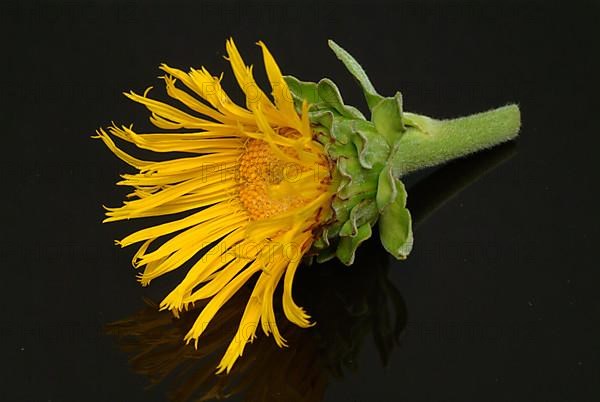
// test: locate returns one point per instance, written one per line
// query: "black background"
(501, 289)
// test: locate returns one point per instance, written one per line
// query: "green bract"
(363, 151)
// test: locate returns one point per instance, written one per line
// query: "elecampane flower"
(268, 183)
(256, 184)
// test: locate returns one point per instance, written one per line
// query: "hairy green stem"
(430, 142)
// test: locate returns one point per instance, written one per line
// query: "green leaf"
(395, 226)
(386, 189)
(348, 245)
(387, 117)
(357, 71)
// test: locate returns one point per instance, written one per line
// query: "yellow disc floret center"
(267, 182)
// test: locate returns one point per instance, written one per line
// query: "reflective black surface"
(498, 301)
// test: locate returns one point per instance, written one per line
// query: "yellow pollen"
(267, 182)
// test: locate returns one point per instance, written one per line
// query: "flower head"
(256, 185)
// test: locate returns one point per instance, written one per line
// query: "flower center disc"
(267, 182)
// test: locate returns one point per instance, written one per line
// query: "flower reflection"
(349, 305)
(363, 302)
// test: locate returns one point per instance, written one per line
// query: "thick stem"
(429, 142)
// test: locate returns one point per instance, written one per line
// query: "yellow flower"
(255, 182)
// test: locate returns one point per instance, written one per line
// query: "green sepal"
(363, 212)
(356, 180)
(326, 255)
(387, 117)
(322, 241)
(342, 209)
(357, 71)
(302, 90)
(386, 188)
(348, 245)
(341, 130)
(325, 250)
(371, 146)
(323, 118)
(395, 226)
(323, 98)
(330, 94)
